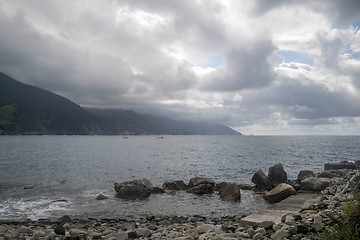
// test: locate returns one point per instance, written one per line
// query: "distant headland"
(28, 110)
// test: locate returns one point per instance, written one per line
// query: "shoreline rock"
(261, 181)
(136, 189)
(279, 193)
(277, 174)
(317, 215)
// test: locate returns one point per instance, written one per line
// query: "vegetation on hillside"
(7, 116)
(348, 226)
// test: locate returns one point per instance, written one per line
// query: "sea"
(50, 176)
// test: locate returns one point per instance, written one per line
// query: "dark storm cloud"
(91, 57)
(340, 12)
(345, 12)
(49, 63)
(246, 67)
(30, 57)
(306, 99)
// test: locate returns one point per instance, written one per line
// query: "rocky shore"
(339, 184)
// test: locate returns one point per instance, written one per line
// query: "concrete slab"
(275, 211)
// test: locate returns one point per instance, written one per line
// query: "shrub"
(348, 227)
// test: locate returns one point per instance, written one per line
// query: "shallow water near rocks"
(49, 176)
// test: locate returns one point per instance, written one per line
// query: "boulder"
(59, 229)
(357, 164)
(314, 184)
(175, 185)
(65, 219)
(303, 174)
(195, 181)
(201, 189)
(261, 181)
(337, 166)
(157, 190)
(220, 185)
(101, 197)
(326, 174)
(231, 192)
(131, 190)
(277, 174)
(279, 193)
(145, 182)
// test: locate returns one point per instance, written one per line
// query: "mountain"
(25, 109)
(129, 122)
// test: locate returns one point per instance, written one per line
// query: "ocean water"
(49, 176)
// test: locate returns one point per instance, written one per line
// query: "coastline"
(317, 215)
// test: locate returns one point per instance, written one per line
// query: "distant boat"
(160, 137)
(125, 137)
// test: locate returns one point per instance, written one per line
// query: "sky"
(262, 67)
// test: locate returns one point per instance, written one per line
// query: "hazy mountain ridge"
(25, 109)
(129, 122)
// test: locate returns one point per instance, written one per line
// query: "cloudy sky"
(261, 66)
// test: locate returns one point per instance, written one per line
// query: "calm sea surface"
(49, 176)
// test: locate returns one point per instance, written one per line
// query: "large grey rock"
(231, 192)
(279, 193)
(337, 166)
(261, 181)
(195, 181)
(303, 174)
(277, 174)
(220, 185)
(65, 219)
(201, 189)
(175, 185)
(326, 174)
(145, 182)
(357, 164)
(157, 190)
(131, 190)
(59, 229)
(314, 184)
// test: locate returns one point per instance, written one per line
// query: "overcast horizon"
(281, 67)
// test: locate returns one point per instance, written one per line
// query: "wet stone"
(59, 230)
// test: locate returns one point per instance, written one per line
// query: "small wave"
(94, 192)
(33, 209)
